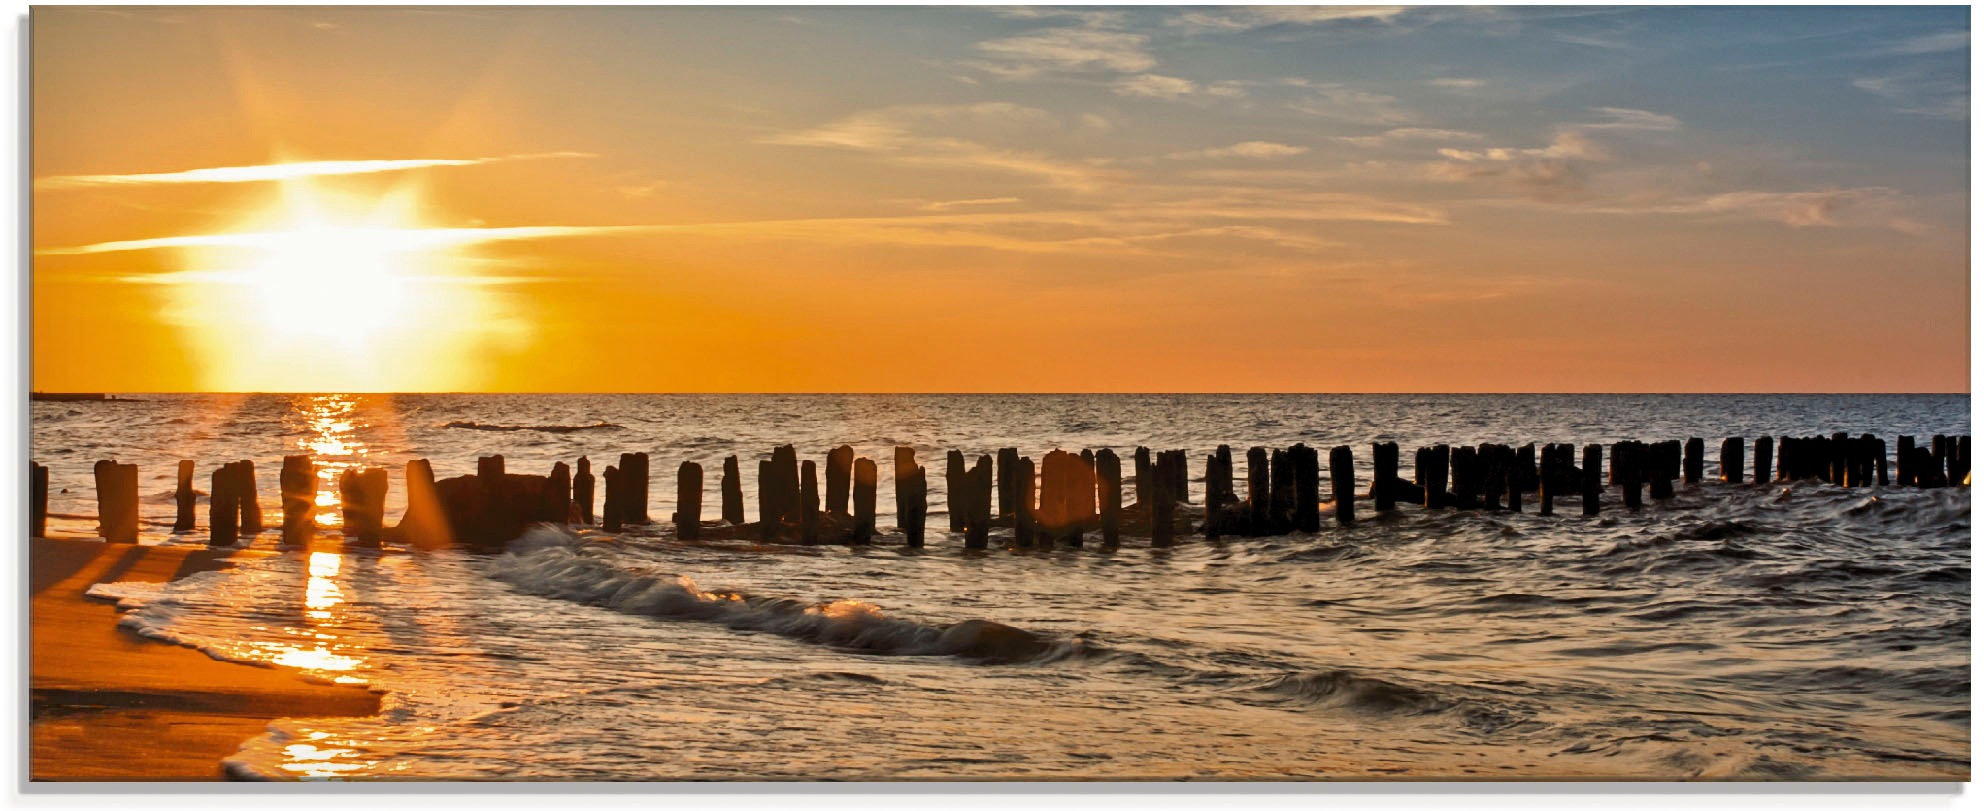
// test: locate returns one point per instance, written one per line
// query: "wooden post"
(1009, 460)
(1083, 498)
(865, 477)
(732, 488)
(1259, 483)
(840, 471)
(117, 501)
(1143, 473)
(1760, 462)
(1512, 479)
(1904, 461)
(1281, 495)
(490, 468)
(1962, 461)
(957, 501)
(1880, 461)
(348, 501)
(1840, 454)
(373, 484)
(1632, 470)
(1308, 485)
(785, 485)
(1658, 469)
(689, 501)
(1384, 471)
(558, 493)
(977, 482)
(1547, 481)
(1590, 476)
(1343, 484)
(1212, 527)
(298, 482)
(913, 505)
(1437, 458)
(767, 513)
(1465, 462)
(612, 516)
(223, 507)
(1691, 462)
(183, 498)
(1163, 506)
(809, 501)
(582, 484)
(424, 524)
(1025, 525)
(1732, 460)
(1527, 479)
(634, 487)
(249, 498)
(37, 500)
(1109, 487)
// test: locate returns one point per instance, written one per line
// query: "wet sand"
(111, 705)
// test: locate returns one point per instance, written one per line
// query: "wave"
(549, 429)
(552, 562)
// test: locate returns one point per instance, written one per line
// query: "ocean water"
(1798, 631)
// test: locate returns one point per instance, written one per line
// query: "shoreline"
(110, 705)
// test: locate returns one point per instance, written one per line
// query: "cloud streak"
(268, 172)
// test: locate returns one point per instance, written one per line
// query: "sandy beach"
(111, 705)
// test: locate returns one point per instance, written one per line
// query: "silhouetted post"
(249, 499)
(1436, 476)
(490, 468)
(954, 489)
(1632, 471)
(1024, 524)
(1962, 461)
(1512, 477)
(767, 514)
(298, 483)
(373, 484)
(1281, 496)
(1760, 461)
(1548, 481)
(785, 485)
(582, 490)
(612, 516)
(1009, 459)
(1343, 484)
(1181, 476)
(1880, 460)
(634, 487)
(1142, 462)
(1109, 489)
(558, 493)
(1841, 453)
(733, 492)
(1953, 461)
(223, 507)
(1259, 482)
(865, 477)
(978, 502)
(1163, 506)
(37, 500)
(117, 501)
(912, 505)
(809, 502)
(1691, 461)
(1904, 460)
(1212, 527)
(349, 498)
(1659, 483)
(1494, 467)
(840, 471)
(1465, 464)
(1308, 486)
(1384, 471)
(1083, 497)
(1939, 459)
(1589, 478)
(183, 498)
(1732, 460)
(424, 524)
(1219, 478)
(1527, 479)
(689, 501)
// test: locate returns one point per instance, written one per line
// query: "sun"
(349, 279)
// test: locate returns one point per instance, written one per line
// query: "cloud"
(1865, 207)
(280, 171)
(946, 205)
(1066, 50)
(1572, 144)
(1917, 94)
(1151, 85)
(1405, 134)
(1246, 18)
(1625, 118)
(1456, 83)
(1933, 43)
(1259, 150)
(386, 239)
(920, 135)
(1339, 103)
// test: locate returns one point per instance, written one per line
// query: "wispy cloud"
(1918, 94)
(384, 239)
(1066, 50)
(1863, 207)
(1933, 43)
(1408, 134)
(280, 171)
(1258, 150)
(947, 205)
(925, 135)
(1340, 103)
(1247, 18)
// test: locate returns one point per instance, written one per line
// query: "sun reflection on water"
(332, 425)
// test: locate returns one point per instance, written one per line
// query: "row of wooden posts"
(1065, 495)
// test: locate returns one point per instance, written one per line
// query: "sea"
(1789, 631)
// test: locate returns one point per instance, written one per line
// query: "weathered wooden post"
(490, 468)
(809, 502)
(689, 501)
(349, 502)
(1513, 477)
(912, 504)
(1141, 459)
(249, 499)
(732, 488)
(1109, 487)
(1308, 485)
(1691, 461)
(1760, 463)
(1590, 477)
(978, 500)
(1437, 458)
(767, 513)
(1904, 459)
(582, 484)
(1026, 526)
(1547, 481)
(1632, 472)
(1880, 460)
(1009, 460)
(840, 471)
(1163, 506)
(1659, 485)
(1213, 526)
(373, 484)
(954, 489)
(183, 498)
(1465, 463)
(37, 500)
(1962, 461)
(865, 477)
(1281, 495)
(424, 524)
(1259, 483)
(1732, 460)
(612, 516)
(1083, 498)
(1841, 454)
(298, 483)
(634, 487)
(1494, 469)
(1384, 472)
(117, 501)
(1343, 484)
(223, 507)
(784, 485)
(558, 493)
(1526, 478)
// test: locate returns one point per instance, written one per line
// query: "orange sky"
(979, 200)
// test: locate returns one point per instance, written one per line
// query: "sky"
(952, 199)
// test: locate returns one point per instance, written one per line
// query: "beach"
(109, 704)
